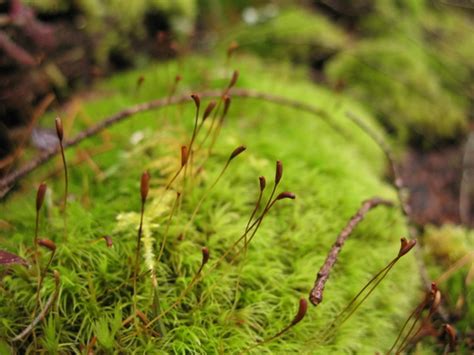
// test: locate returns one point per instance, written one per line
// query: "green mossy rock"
(331, 172)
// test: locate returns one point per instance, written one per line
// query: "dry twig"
(316, 294)
(9, 180)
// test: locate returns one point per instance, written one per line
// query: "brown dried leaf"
(7, 258)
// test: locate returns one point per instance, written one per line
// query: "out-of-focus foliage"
(448, 243)
(449, 255)
(395, 79)
(117, 25)
(294, 33)
(414, 67)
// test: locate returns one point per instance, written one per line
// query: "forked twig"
(316, 294)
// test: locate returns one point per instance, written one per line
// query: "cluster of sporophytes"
(178, 239)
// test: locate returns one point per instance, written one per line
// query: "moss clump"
(447, 244)
(119, 27)
(394, 78)
(413, 65)
(449, 255)
(295, 33)
(282, 260)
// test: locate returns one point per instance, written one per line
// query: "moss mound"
(394, 78)
(294, 33)
(237, 303)
(413, 67)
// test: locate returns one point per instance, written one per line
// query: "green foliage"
(449, 255)
(295, 33)
(51, 339)
(106, 329)
(394, 78)
(331, 172)
(448, 243)
(420, 56)
(116, 24)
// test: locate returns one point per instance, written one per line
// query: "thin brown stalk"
(168, 223)
(220, 122)
(252, 228)
(433, 297)
(174, 86)
(60, 134)
(233, 155)
(52, 247)
(262, 184)
(43, 312)
(40, 194)
(316, 294)
(415, 313)
(302, 309)
(197, 275)
(222, 98)
(144, 188)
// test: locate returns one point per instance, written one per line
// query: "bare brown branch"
(9, 180)
(316, 294)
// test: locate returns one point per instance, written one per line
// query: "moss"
(426, 50)
(293, 33)
(393, 77)
(449, 254)
(115, 24)
(447, 244)
(331, 174)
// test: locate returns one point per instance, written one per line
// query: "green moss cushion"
(236, 304)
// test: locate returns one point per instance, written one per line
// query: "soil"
(434, 181)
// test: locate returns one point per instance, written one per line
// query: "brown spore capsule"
(48, 244)
(40, 195)
(237, 151)
(205, 256)
(405, 246)
(59, 128)
(262, 182)
(233, 80)
(184, 155)
(278, 171)
(233, 46)
(226, 105)
(286, 194)
(108, 241)
(302, 309)
(208, 110)
(197, 100)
